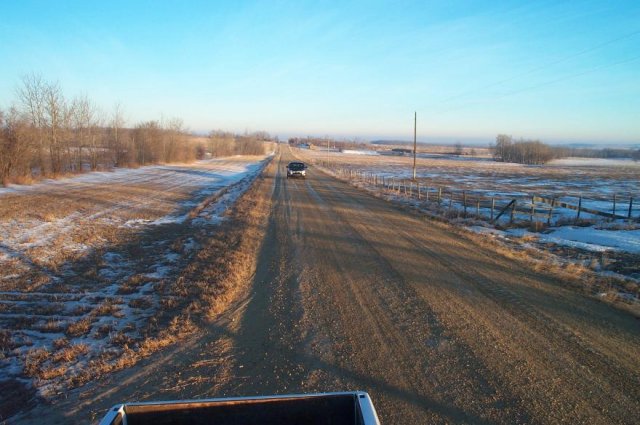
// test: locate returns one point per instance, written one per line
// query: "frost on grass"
(88, 263)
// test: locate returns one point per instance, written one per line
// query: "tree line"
(47, 134)
(322, 142)
(607, 153)
(534, 152)
(224, 143)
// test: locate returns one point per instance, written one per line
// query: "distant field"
(85, 262)
(595, 180)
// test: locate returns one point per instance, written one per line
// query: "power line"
(540, 68)
(567, 77)
(546, 83)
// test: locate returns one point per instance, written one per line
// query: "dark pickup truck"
(345, 408)
(297, 169)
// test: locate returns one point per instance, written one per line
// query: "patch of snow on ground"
(595, 239)
(597, 162)
(359, 152)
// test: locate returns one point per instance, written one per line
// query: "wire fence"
(508, 208)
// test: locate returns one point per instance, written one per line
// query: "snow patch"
(594, 239)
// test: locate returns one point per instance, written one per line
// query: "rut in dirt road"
(353, 293)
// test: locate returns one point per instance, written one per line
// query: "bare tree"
(14, 145)
(173, 145)
(55, 113)
(117, 143)
(221, 143)
(147, 142)
(531, 152)
(458, 148)
(31, 97)
(51, 135)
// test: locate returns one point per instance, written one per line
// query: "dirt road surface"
(351, 292)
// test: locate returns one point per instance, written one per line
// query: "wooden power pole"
(415, 124)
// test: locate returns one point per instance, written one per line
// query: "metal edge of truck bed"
(117, 415)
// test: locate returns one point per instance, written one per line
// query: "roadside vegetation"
(45, 133)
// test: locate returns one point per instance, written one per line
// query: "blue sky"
(554, 70)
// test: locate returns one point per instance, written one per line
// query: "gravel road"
(351, 292)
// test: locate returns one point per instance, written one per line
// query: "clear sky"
(554, 70)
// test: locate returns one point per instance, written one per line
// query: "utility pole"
(415, 124)
(327, 151)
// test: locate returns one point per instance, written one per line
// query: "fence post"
(532, 210)
(630, 207)
(439, 194)
(464, 202)
(493, 206)
(553, 202)
(418, 191)
(427, 192)
(579, 208)
(513, 210)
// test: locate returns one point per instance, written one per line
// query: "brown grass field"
(98, 272)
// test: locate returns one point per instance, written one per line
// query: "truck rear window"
(296, 166)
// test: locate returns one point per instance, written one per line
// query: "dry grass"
(132, 284)
(80, 310)
(79, 328)
(34, 360)
(223, 266)
(70, 352)
(215, 275)
(48, 216)
(107, 308)
(60, 343)
(6, 342)
(53, 326)
(219, 272)
(103, 331)
(26, 180)
(169, 303)
(141, 303)
(121, 339)
(580, 277)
